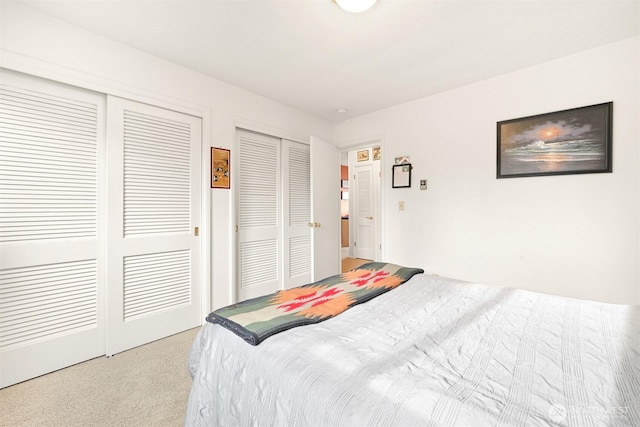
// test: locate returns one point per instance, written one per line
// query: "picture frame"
(344, 183)
(363, 155)
(220, 168)
(344, 195)
(401, 176)
(376, 153)
(573, 141)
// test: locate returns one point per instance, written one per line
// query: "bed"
(431, 352)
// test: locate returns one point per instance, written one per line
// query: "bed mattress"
(432, 352)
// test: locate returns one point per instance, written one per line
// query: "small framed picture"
(344, 183)
(401, 176)
(376, 153)
(363, 155)
(344, 195)
(220, 168)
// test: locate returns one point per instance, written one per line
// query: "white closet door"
(259, 215)
(154, 207)
(297, 230)
(52, 234)
(284, 186)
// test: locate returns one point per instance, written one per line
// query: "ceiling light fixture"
(355, 6)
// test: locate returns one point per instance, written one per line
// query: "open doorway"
(360, 204)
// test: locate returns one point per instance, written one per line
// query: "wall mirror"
(401, 176)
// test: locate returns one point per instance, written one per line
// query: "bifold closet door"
(52, 260)
(297, 221)
(154, 211)
(259, 215)
(288, 213)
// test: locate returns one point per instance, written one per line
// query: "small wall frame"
(363, 155)
(220, 168)
(401, 176)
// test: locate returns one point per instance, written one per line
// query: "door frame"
(380, 232)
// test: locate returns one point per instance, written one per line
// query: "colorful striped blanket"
(259, 318)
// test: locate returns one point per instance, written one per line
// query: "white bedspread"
(432, 352)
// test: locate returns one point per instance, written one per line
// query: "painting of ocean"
(565, 142)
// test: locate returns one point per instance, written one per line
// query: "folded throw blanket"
(257, 319)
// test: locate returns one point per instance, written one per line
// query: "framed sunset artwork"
(564, 142)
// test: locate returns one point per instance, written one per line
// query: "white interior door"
(154, 210)
(325, 185)
(259, 215)
(52, 194)
(364, 239)
(297, 230)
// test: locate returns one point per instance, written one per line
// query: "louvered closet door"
(52, 272)
(154, 195)
(297, 253)
(259, 215)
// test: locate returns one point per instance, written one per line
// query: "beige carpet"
(145, 386)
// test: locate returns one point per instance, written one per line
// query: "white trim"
(362, 142)
(381, 233)
(205, 221)
(254, 126)
(36, 67)
(234, 207)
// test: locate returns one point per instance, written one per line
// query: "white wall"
(37, 44)
(573, 235)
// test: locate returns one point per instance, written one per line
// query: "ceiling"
(312, 56)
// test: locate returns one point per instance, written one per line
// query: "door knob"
(369, 217)
(311, 224)
(316, 224)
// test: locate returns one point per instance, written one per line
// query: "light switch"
(401, 205)
(423, 184)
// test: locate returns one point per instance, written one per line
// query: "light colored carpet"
(144, 386)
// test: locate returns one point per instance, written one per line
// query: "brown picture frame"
(363, 155)
(220, 168)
